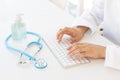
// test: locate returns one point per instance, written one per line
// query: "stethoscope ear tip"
(24, 64)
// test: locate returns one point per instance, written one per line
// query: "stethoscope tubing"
(20, 51)
(32, 58)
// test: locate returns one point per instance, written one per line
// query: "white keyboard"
(60, 52)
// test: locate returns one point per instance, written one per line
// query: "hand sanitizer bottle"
(18, 29)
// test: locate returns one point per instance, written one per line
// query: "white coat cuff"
(82, 22)
(112, 57)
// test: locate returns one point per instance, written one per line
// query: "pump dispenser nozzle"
(19, 17)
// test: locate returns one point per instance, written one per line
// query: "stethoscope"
(38, 63)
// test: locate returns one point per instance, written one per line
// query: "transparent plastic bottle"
(18, 29)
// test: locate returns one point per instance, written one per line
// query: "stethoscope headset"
(38, 63)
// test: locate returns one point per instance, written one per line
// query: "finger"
(69, 47)
(75, 50)
(60, 35)
(73, 40)
(72, 46)
(61, 32)
(81, 45)
(67, 30)
(79, 56)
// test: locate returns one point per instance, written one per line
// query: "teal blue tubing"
(32, 58)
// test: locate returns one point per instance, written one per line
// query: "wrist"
(82, 28)
(103, 53)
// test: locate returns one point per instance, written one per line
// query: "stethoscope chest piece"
(40, 64)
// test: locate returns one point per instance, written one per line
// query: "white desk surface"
(44, 18)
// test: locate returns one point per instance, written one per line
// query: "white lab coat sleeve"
(92, 17)
(112, 57)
